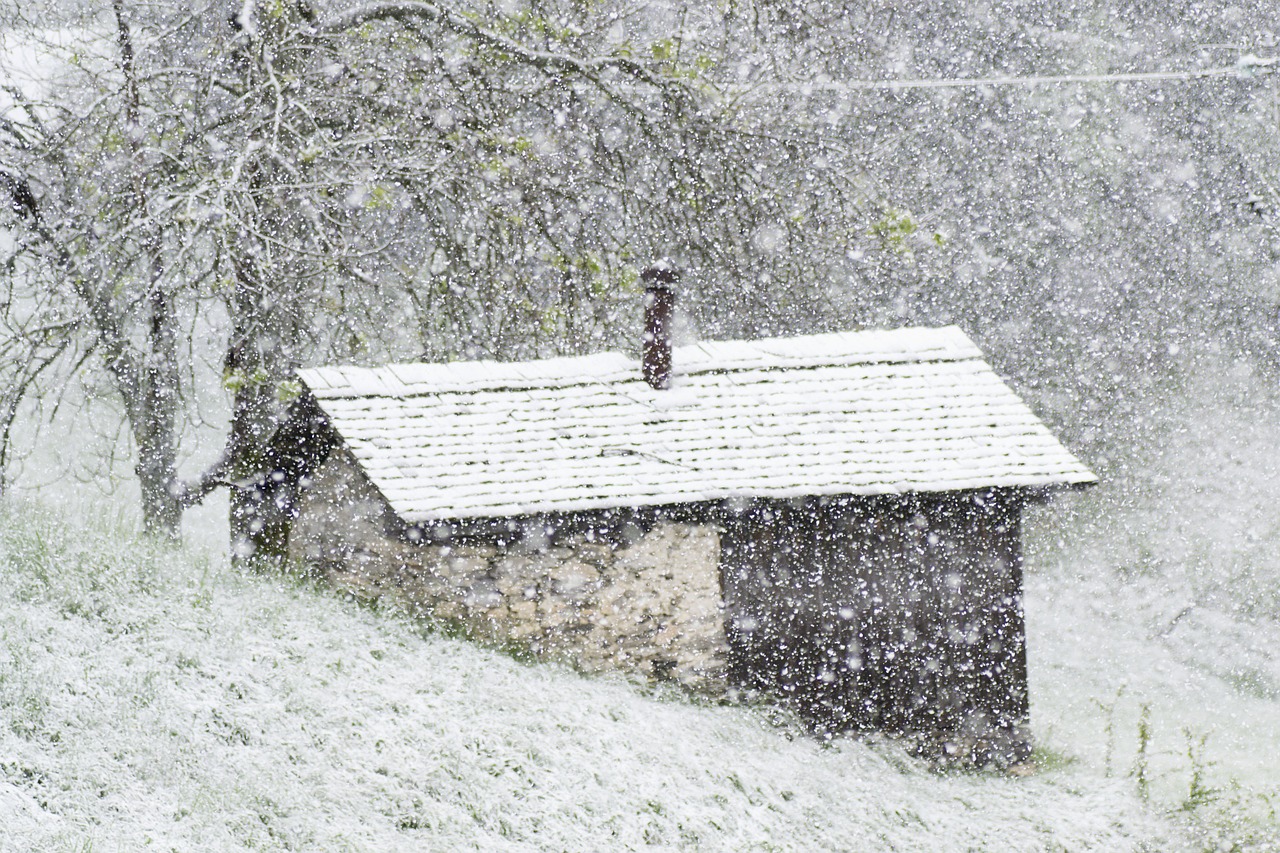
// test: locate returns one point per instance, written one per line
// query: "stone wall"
(649, 605)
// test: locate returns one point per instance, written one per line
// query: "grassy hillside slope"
(158, 700)
(1160, 590)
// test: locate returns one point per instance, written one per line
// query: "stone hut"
(830, 519)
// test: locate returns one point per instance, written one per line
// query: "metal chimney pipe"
(659, 305)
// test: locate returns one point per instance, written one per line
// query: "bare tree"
(390, 178)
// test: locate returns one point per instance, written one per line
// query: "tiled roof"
(876, 412)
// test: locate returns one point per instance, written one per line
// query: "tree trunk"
(257, 538)
(161, 509)
(258, 360)
(153, 413)
(154, 418)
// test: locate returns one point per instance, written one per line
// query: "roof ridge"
(799, 352)
(574, 382)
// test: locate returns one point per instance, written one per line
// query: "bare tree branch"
(588, 68)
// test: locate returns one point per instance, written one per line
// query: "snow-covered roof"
(861, 413)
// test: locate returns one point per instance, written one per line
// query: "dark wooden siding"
(902, 614)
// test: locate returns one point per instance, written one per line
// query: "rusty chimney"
(659, 305)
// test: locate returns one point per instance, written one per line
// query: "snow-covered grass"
(1173, 709)
(1157, 596)
(154, 699)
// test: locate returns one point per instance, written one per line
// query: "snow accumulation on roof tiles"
(851, 413)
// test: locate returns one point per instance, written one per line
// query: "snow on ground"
(1213, 736)
(161, 700)
(1161, 589)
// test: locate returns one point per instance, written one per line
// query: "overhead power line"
(1246, 66)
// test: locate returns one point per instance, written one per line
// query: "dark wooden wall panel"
(902, 614)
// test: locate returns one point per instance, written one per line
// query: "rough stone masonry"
(649, 605)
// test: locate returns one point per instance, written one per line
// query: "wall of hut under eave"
(650, 606)
(892, 613)
(896, 613)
